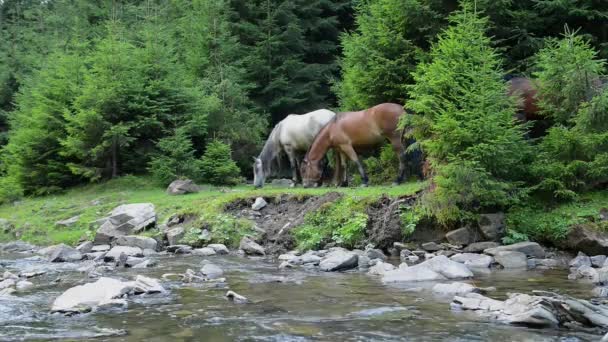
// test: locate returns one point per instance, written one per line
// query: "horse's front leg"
(338, 168)
(352, 155)
(292, 161)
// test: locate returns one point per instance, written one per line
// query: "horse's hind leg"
(352, 155)
(291, 154)
(400, 151)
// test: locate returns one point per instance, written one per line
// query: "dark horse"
(527, 102)
(351, 131)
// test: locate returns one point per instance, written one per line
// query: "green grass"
(553, 224)
(35, 217)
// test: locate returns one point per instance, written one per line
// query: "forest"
(94, 90)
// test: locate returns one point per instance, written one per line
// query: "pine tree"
(465, 124)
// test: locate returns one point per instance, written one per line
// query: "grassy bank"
(35, 218)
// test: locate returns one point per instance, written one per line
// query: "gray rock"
(511, 259)
(531, 249)
(100, 248)
(125, 219)
(380, 268)
(431, 247)
(68, 222)
(142, 242)
(580, 260)
(85, 247)
(600, 291)
(259, 204)
(454, 289)
(235, 297)
(219, 248)
(149, 252)
(179, 249)
(95, 255)
(134, 261)
(206, 251)
(363, 261)
(7, 283)
(62, 253)
(374, 253)
(478, 247)
(146, 285)
(251, 247)
(211, 271)
(448, 268)
(598, 260)
(17, 246)
(460, 236)
(593, 275)
(411, 274)
(473, 259)
(24, 285)
(145, 263)
(116, 251)
(307, 258)
(182, 186)
(174, 235)
(548, 263)
(84, 298)
(492, 226)
(339, 260)
(586, 239)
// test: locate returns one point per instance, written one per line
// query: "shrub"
(175, 159)
(217, 165)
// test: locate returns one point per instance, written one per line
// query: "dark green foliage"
(382, 169)
(574, 155)
(175, 159)
(217, 166)
(465, 123)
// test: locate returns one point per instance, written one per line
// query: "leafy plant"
(409, 217)
(217, 166)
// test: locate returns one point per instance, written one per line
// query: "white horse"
(292, 135)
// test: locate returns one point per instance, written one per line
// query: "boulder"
(259, 204)
(136, 261)
(454, 289)
(339, 260)
(24, 285)
(364, 262)
(100, 248)
(586, 239)
(598, 260)
(68, 222)
(447, 268)
(531, 249)
(307, 258)
(380, 268)
(145, 263)
(511, 259)
(125, 219)
(478, 247)
(116, 251)
(580, 260)
(205, 251)
(374, 253)
(61, 253)
(251, 247)
(473, 259)
(142, 242)
(235, 297)
(211, 271)
(492, 226)
(219, 248)
(144, 284)
(182, 186)
(431, 246)
(85, 247)
(84, 298)
(460, 236)
(411, 274)
(174, 235)
(179, 249)
(593, 275)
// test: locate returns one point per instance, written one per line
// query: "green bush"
(175, 159)
(217, 165)
(10, 190)
(382, 169)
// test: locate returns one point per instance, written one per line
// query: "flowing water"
(290, 305)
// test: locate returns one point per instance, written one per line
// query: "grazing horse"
(292, 135)
(528, 103)
(350, 131)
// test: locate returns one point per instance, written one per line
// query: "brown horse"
(528, 103)
(352, 131)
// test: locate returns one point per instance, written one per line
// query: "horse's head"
(258, 173)
(311, 173)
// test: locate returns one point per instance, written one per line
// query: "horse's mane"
(271, 149)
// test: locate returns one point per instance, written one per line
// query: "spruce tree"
(464, 122)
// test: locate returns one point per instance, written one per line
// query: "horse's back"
(299, 130)
(370, 126)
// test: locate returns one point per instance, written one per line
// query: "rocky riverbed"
(333, 294)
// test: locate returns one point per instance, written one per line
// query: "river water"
(288, 305)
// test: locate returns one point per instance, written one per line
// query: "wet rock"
(598, 260)
(125, 219)
(448, 268)
(600, 291)
(219, 248)
(211, 271)
(285, 264)
(63, 253)
(586, 239)
(84, 298)
(136, 261)
(182, 186)
(24, 285)
(33, 274)
(309, 257)
(179, 249)
(235, 297)
(380, 268)
(411, 274)
(17, 246)
(593, 275)
(150, 252)
(287, 256)
(448, 253)
(85, 247)
(373, 253)
(100, 248)
(116, 251)
(492, 226)
(259, 204)
(431, 246)
(9, 275)
(206, 251)
(174, 235)
(339, 260)
(145, 263)
(548, 263)
(251, 247)
(7, 283)
(94, 256)
(142, 242)
(511, 259)
(144, 284)
(478, 247)
(580, 260)
(454, 289)
(7, 292)
(363, 262)
(531, 249)
(68, 222)
(473, 259)
(460, 236)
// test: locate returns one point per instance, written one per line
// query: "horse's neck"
(320, 145)
(272, 148)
